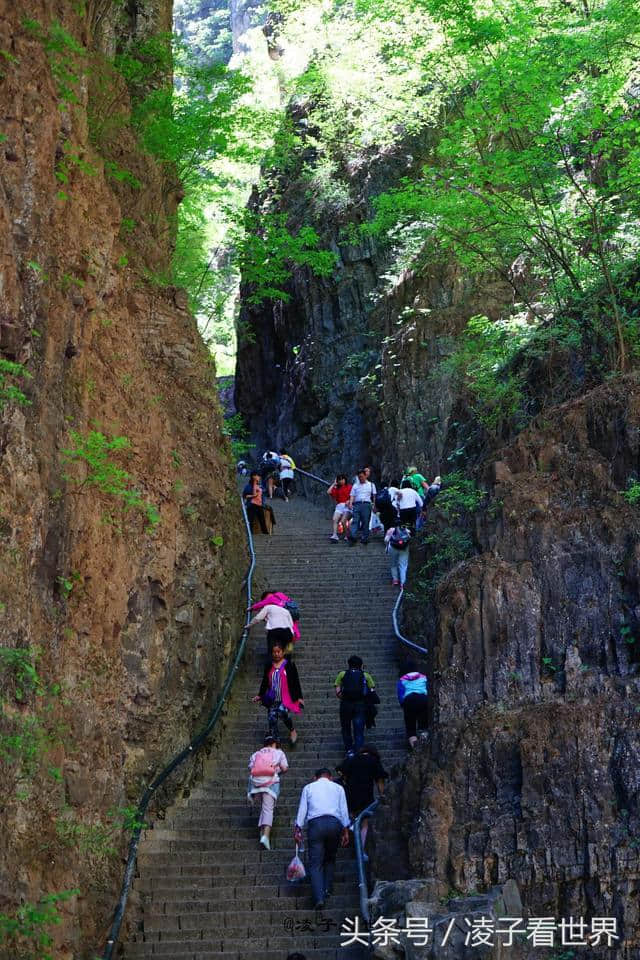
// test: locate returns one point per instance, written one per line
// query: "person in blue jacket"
(412, 688)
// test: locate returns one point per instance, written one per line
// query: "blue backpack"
(400, 538)
(293, 609)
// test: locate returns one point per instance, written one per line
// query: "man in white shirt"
(361, 502)
(323, 807)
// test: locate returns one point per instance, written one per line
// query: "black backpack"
(354, 685)
(400, 538)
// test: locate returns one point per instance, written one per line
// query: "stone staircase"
(206, 889)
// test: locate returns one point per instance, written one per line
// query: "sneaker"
(264, 840)
(396, 583)
(293, 737)
(413, 742)
(286, 499)
(334, 538)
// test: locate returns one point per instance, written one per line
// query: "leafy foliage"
(25, 932)
(9, 392)
(266, 249)
(481, 360)
(94, 452)
(446, 537)
(235, 428)
(534, 176)
(29, 731)
(632, 493)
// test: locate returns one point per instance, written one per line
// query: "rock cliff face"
(306, 358)
(531, 776)
(133, 620)
(532, 772)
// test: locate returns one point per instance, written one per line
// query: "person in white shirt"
(362, 501)
(408, 502)
(323, 808)
(287, 466)
(279, 624)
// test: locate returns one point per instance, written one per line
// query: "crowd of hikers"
(330, 804)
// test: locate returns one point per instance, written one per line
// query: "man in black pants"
(351, 688)
(323, 807)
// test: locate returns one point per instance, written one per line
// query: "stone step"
(206, 888)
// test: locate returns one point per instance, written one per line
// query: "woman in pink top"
(265, 767)
(280, 692)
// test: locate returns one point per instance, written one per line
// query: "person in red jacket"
(340, 491)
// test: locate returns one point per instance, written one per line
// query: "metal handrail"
(396, 628)
(362, 879)
(188, 751)
(312, 476)
(396, 607)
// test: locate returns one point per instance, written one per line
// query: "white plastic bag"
(375, 523)
(296, 871)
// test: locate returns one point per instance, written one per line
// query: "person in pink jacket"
(279, 600)
(265, 767)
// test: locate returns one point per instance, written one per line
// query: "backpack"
(264, 764)
(400, 538)
(383, 498)
(293, 609)
(354, 685)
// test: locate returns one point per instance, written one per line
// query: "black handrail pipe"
(188, 751)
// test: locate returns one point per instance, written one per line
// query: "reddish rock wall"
(135, 627)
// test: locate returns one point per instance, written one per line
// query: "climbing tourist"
(367, 474)
(417, 481)
(287, 466)
(340, 491)
(281, 600)
(352, 687)
(397, 541)
(265, 767)
(323, 808)
(360, 771)
(412, 688)
(387, 510)
(407, 502)
(433, 490)
(253, 495)
(362, 501)
(279, 624)
(280, 692)
(269, 466)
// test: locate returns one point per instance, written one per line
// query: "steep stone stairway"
(207, 889)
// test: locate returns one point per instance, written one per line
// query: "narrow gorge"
(367, 233)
